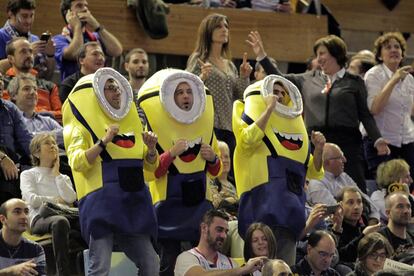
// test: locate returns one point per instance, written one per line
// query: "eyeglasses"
(341, 157)
(376, 256)
(112, 88)
(325, 255)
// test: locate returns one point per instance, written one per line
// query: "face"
(321, 255)
(375, 261)
(93, 60)
(23, 56)
(259, 244)
(48, 150)
(183, 96)
(354, 66)
(279, 91)
(336, 162)
(216, 233)
(79, 6)
(327, 62)
(260, 74)
(221, 33)
(400, 211)
(26, 94)
(113, 93)
(352, 206)
(23, 20)
(138, 66)
(406, 178)
(17, 216)
(225, 158)
(391, 53)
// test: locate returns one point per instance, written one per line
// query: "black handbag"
(49, 209)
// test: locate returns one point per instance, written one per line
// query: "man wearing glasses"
(320, 252)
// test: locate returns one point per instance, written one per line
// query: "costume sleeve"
(76, 149)
(312, 173)
(214, 170)
(147, 165)
(29, 192)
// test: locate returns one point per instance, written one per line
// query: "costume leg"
(139, 249)
(100, 252)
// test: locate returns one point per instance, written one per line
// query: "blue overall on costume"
(179, 214)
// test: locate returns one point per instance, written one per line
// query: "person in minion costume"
(114, 203)
(180, 110)
(272, 160)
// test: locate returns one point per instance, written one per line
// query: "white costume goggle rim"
(99, 79)
(294, 94)
(167, 90)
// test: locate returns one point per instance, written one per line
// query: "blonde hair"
(36, 143)
(391, 171)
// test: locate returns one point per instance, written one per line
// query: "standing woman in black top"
(335, 102)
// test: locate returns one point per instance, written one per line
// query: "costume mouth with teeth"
(193, 150)
(289, 141)
(124, 140)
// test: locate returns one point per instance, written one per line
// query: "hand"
(73, 20)
(206, 69)
(56, 165)
(382, 147)
(10, 170)
(317, 214)
(318, 140)
(337, 218)
(26, 268)
(255, 41)
(372, 228)
(402, 72)
(207, 152)
(228, 3)
(254, 264)
(150, 139)
(90, 20)
(111, 131)
(60, 200)
(50, 47)
(245, 68)
(271, 101)
(284, 7)
(180, 146)
(39, 47)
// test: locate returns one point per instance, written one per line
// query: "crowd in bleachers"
(247, 198)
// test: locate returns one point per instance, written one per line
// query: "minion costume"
(179, 196)
(270, 166)
(113, 198)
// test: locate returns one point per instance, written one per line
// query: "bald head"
(276, 268)
(7, 204)
(333, 159)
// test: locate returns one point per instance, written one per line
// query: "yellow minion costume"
(270, 166)
(113, 197)
(179, 196)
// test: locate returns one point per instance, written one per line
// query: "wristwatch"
(101, 144)
(2, 156)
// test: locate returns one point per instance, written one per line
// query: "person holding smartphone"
(20, 15)
(82, 27)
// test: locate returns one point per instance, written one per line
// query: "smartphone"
(45, 37)
(331, 209)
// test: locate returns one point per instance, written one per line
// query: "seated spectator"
(373, 249)
(44, 183)
(23, 93)
(325, 190)
(348, 225)
(360, 64)
(14, 147)
(20, 15)
(272, 5)
(90, 58)
(223, 188)
(20, 55)
(18, 256)
(320, 252)
(203, 258)
(82, 27)
(398, 210)
(276, 268)
(390, 172)
(259, 242)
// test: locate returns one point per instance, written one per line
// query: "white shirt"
(394, 121)
(39, 185)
